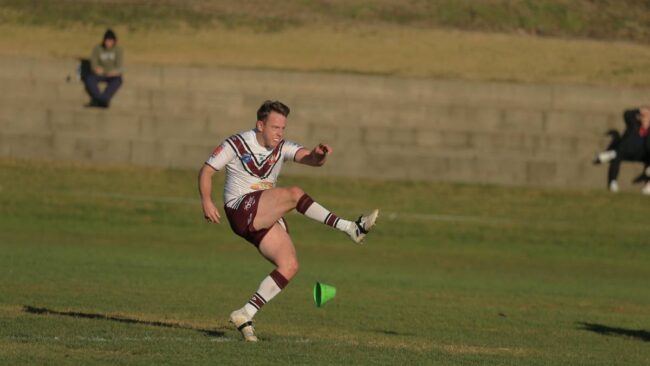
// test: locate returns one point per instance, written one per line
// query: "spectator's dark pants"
(627, 150)
(100, 98)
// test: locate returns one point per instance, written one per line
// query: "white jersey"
(249, 166)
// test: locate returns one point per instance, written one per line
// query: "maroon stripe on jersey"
(303, 203)
(232, 144)
(240, 148)
(279, 279)
(257, 301)
(252, 165)
(243, 148)
(331, 219)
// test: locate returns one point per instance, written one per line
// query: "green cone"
(323, 293)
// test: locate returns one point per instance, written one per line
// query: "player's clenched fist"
(322, 149)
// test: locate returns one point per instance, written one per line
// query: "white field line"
(390, 215)
(117, 339)
(419, 347)
(96, 339)
(401, 216)
(443, 217)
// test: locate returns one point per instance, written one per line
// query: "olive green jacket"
(108, 59)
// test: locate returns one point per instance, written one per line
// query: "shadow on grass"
(121, 319)
(642, 335)
(390, 332)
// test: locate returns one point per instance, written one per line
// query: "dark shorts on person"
(241, 219)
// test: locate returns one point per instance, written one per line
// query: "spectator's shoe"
(646, 189)
(605, 157)
(244, 323)
(613, 186)
(362, 226)
(94, 103)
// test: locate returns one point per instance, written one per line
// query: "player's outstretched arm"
(210, 211)
(316, 157)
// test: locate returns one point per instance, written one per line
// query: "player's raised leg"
(277, 247)
(275, 202)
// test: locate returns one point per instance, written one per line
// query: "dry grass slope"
(490, 40)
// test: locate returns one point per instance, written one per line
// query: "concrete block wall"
(382, 127)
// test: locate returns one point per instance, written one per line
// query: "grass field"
(114, 265)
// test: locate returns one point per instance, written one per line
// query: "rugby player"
(255, 207)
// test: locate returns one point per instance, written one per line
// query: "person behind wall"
(106, 67)
(634, 145)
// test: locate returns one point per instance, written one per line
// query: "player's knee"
(290, 269)
(295, 267)
(295, 193)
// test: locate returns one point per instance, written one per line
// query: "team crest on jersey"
(246, 158)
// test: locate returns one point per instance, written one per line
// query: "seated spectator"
(106, 66)
(634, 145)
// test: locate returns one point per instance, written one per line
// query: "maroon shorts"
(241, 219)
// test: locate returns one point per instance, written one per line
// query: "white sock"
(308, 207)
(607, 156)
(269, 288)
